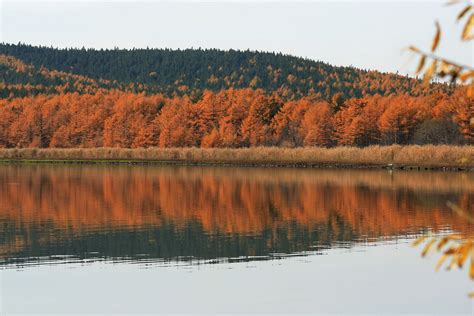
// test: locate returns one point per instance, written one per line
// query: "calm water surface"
(149, 239)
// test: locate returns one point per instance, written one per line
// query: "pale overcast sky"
(370, 34)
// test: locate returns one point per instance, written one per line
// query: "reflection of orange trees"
(232, 200)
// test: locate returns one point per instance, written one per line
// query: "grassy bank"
(374, 156)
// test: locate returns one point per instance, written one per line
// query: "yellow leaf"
(452, 264)
(414, 49)
(421, 64)
(462, 255)
(445, 65)
(455, 208)
(435, 43)
(471, 294)
(428, 247)
(463, 12)
(466, 33)
(471, 269)
(451, 2)
(466, 75)
(418, 241)
(470, 93)
(430, 72)
(441, 261)
(444, 68)
(450, 251)
(441, 243)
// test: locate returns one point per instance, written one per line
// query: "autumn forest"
(161, 98)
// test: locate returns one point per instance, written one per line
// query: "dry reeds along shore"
(429, 155)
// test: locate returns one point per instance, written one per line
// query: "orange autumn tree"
(316, 126)
(178, 125)
(210, 109)
(255, 128)
(345, 121)
(398, 122)
(364, 129)
(129, 114)
(237, 107)
(286, 124)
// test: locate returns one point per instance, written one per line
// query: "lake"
(147, 239)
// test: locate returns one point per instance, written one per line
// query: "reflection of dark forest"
(184, 213)
(169, 242)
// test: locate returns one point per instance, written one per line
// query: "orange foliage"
(316, 125)
(229, 118)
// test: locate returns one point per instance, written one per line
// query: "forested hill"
(26, 70)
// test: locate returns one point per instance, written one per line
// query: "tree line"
(27, 70)
(233, 118)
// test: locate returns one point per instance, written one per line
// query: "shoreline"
(443, 157)
(243, 164)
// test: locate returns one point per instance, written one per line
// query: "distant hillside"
(26, 70)
(19, 79)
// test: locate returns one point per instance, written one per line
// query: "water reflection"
(61, 213)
